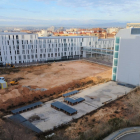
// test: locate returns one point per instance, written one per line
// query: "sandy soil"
(55, 77)
(57, 74)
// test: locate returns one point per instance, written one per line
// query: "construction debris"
(37, 89)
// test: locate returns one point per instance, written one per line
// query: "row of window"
(116, 54)
(40, 56)
(12, 37)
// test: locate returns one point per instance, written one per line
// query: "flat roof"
(13, 33)
(61, 37)
(106, 39)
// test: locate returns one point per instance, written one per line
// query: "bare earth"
(49, 76)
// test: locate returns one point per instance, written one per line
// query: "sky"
(68, 12)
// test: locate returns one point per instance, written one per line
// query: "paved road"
(134, 136)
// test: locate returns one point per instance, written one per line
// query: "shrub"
(115, 122)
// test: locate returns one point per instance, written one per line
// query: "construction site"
(45, 97)
(50, 79)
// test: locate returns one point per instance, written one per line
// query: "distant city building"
(17, 29)
(126, 65)
(52, 29)
(98, 32)
(60, 29)
(133, 25)
(25, 48)
(43, 33)
(112, 30)
(26, 31)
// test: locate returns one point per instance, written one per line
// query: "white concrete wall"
(128, 68)
(128, 64)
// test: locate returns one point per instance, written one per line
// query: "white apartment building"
(25, 48)
(126, 63)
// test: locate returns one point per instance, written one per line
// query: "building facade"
(113, 29)
(25, 48)
(133, 25)
(126, 66)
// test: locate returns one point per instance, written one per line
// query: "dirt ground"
(56, 77)
(57, 74)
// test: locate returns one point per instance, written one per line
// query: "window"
(71, 40)
(64, 40)
(17, 47)
(117, 40)
(17, 41)
(65, 44)
(114, 77)
(23, 47)
(115, 62)
(28, 56)
(16, 36)
(17, 51)
(19, 57)
(116, 55)
(23, 51)
(24, 57)
(114, 69)
(116, 47)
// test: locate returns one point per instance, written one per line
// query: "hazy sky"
(68, 12)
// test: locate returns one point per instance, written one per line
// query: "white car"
(2, 78)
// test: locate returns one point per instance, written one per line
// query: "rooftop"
(61, 37)
(128, 32)
(13, 33)
(105, 39)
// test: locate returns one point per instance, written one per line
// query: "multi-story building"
(133, 25)
(25, 48)
(126, 65)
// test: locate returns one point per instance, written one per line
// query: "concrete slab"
(51, 118)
